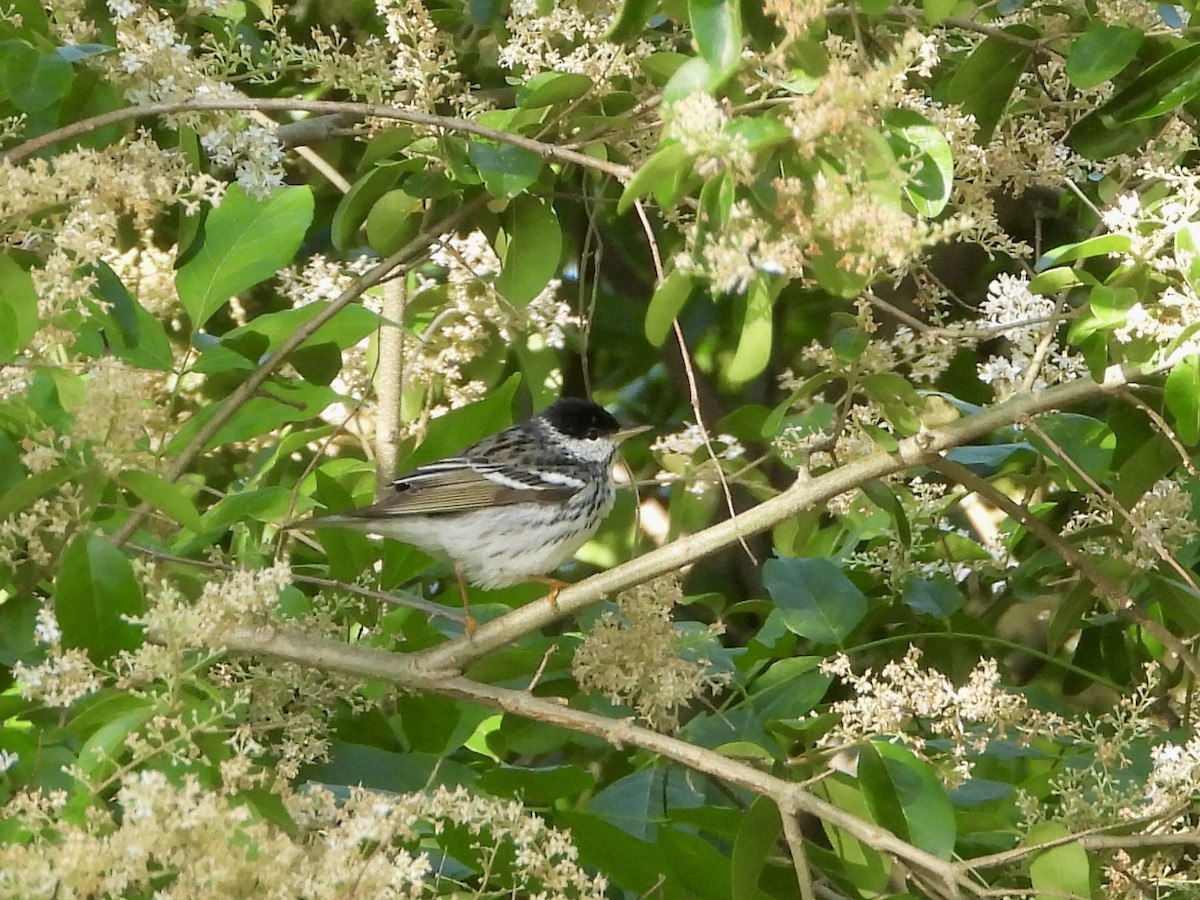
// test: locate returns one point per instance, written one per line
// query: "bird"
(509, 508)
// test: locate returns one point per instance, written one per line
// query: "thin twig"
(795, 841)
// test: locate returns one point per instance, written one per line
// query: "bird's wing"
(459, 484)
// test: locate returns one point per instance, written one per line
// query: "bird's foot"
(555, 584)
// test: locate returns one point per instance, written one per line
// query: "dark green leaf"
(1167, 84)
(631, 20)
(245, 241)
(815, 599)
(937, 598)
(534, 247)
(94, 589)
(660, 174)
(755, 841)
(926, 808)
(33, 80)
(985, 80)
(1102, 53)
(139, 337)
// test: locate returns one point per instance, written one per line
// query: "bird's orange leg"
(555, 585)
(469, 625)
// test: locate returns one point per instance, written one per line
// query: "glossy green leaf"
(94, 589)
(984, 82)
(356, 203)
(1089, 442)
(665, 306)
(925, 154)
(1092, 139)
(1111, 305)
(393, 221)
(548, 88)
(139, 338)
(1182, 396)
(1102, 245)
(1062, 871)
(534, 248)
(18, 307)
(1163, 87)
(814, 598)
(660, 174)
(927, 811)
(246, 240)
(717, 29)
(1054, 280)
(281, 404)
(695, 74)
(103, 750)
(1101, 53)
(754, 346)
(168, 497)
(506, 170)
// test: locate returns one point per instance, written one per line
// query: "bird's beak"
(626, 433)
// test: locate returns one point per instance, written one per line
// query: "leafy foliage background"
(904, 601)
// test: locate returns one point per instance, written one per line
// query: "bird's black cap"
(579, 418)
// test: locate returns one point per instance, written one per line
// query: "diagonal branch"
(804, 494)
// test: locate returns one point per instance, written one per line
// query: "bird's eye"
(593, 433)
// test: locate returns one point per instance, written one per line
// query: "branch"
(804, 494)
(318, 107)
(401, 670)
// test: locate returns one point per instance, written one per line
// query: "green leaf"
(33, 80)
(754, 346)
(631, 20)
(1092, 139)
(139, 337)
(985, 80)
(927, 810)
(1111, 305)
(665, 306)
(661, 174)
(937, 598)
(466, 424)
(1187, 246)
(167, 497)
(1102, 53)
(815, 598)
(1054, 280)
(548, 88)
(1089, 442)
(755, 841)
(393, 221)
(506, 170)
(18, 307)
(356, 203)
(534, 248)
(935, 11)
(1169, 83)
(283, 405)
(1062, 871)
(1101, 245)
(103, 750)
(95, 587)
(246, 241)
(717, 30)
(925, 154)
(1182, 395)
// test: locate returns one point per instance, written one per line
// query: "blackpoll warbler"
(512, 507)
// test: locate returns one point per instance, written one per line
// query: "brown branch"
(401, 670)
(319, 107)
